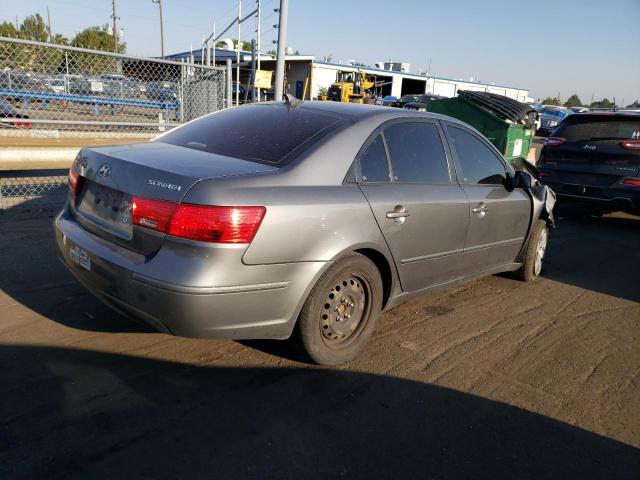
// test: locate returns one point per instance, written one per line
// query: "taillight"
(75, 181)
(152, 214)
(22, 124)
(216, 224)
(632, 181)
(554, 141)
(631, 145)
(205, 223)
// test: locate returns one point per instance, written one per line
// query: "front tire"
(534, 256)
(341, 311)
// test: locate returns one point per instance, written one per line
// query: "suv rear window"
(576, 129)
(268, 134)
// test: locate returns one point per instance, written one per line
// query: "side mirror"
(522, 180)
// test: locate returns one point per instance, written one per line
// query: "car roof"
(357, 112)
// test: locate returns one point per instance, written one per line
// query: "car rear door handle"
(399, 214)
(481, 209)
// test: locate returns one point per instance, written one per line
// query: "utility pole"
(282, 40)
(115, 30)
(253, 70)
(238, 55)
(257, 46)
(159, 2)
(49, 22)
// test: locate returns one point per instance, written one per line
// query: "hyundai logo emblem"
(104, 170)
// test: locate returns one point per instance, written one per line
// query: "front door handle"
(481, 209)
(398, 214)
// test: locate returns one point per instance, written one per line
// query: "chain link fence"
(31, 193)
(67, 89)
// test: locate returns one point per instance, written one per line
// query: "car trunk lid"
(114, 176)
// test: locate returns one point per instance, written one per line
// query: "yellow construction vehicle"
(350, 87)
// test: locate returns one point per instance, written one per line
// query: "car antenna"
(291, 101)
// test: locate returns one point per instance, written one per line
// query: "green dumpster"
(512, 139)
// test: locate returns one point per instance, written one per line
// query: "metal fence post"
(229, 82)
(253, 71)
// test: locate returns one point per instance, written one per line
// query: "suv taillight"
(205, 223)
(75, 181)
(631, 145)
(632, 181)
(554, 141)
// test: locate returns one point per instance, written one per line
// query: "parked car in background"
(116, 85)
(8, 111)
(19, 80)
(404, 99)
(162, 91)
(301, 219)
(579, 109)
(550, 118)
(80, 85)
(593, 162)
(387, 100)
(55, 84)
(422, 104)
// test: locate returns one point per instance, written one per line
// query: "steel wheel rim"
(540, 250)
(345, 310)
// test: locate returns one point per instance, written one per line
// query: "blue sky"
(550, 47)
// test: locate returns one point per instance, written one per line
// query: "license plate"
(108, 207)
(81, 257)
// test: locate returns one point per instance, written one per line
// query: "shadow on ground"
(83, 414)
(596, 253)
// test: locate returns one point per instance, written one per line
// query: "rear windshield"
(268, 134)
(599, 128)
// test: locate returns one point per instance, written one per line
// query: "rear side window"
(477, 162)
(374, 167)
(416, 153)
(586, 129)
(260, 133)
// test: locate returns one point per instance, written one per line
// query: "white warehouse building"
(305, 76)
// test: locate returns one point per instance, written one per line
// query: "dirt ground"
(493, 379)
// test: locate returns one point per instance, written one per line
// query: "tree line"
(34, 28)
(574, 101)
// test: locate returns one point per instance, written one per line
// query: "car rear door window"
(416, 152)
(478, 164)
(374, 167)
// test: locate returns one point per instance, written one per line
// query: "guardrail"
(45, 97)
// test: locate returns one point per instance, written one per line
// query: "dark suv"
(593, 159)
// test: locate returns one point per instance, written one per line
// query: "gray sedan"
(301, 220)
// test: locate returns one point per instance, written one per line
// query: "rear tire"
(341, 311)
(536, 249)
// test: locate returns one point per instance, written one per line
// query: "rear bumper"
(604, 199)
(224, 299)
